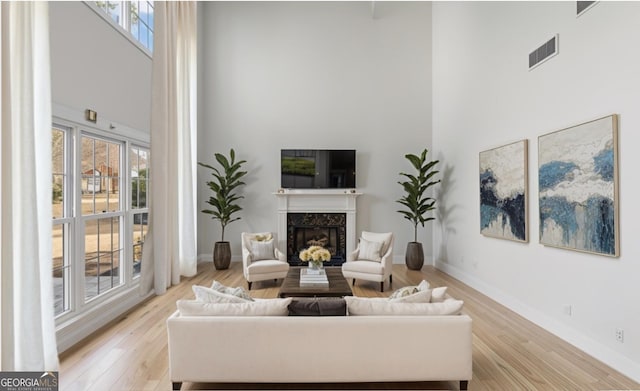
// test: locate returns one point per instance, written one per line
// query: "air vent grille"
(582, 6)
(544, 52)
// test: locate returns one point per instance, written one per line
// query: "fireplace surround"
(323, 217)
(326, 230)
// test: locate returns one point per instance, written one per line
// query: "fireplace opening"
(327, 230)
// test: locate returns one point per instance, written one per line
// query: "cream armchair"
(372, 259)
(261, 260)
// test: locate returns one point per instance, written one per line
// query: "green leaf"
(226, 179)
(416, 184)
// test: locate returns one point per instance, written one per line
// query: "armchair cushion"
(370, 250)
(268, 266)
(385, 238)
(363, 267)
(261, 250)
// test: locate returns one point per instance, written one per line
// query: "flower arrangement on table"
(315, 255)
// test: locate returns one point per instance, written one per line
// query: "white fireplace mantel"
(317, 201)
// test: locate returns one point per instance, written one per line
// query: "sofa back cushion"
(366, 306)
(267, 307)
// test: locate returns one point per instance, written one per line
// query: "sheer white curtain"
(170, 246)
(27, 325)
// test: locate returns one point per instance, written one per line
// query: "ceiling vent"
(544, 52)
(583, 6)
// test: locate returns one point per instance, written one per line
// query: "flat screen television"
(318, 168)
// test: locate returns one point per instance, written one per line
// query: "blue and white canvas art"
(578, 187)
(503, 192)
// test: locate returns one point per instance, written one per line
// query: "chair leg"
(464, 384)
(177, 385)
(354, 282)
(381, 286)
(390, 279)
(249, 282)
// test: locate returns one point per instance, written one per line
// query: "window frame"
(124, 27)
(67, 221)
(131, 211)
(75, 126)
(96, 216)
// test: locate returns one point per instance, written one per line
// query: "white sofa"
(340, 349)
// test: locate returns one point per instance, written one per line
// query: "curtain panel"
(170, 245)
(27, 322)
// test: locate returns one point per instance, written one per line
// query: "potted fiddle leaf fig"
(417, 204)
(226, 180)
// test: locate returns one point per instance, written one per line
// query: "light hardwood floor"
(509, 352)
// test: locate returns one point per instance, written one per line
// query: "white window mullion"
(78, 281)
(126, 15)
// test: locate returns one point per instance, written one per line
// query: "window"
(139, 168)
(100, 215)
(102, 212)
(61, 205)
(134, 17)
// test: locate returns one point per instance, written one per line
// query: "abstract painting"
(578, 187)
(503, 192)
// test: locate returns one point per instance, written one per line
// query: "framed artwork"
(578, 187)
(503, 192)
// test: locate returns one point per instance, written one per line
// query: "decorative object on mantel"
(417, 204)
(224, 201)
(315, 255)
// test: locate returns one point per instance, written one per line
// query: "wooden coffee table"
(338, 285)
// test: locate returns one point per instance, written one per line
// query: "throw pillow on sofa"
(404, 291)
(235, 291)
(267, 307)
(438, 295)
(417, 297)
(208, 295)
(410, 290)
(365, 306)
(318, 306)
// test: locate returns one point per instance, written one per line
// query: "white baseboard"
(595, 349)
(204, 258)
(75, 330)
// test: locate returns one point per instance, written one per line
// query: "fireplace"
(321, 216)
(327, 230)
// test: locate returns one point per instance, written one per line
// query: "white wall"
(315, 75)
(484, 97)
(95, 67)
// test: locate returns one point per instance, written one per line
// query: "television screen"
(318, 168)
